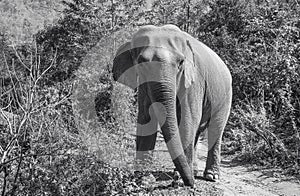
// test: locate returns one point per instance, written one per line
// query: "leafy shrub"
(262, 53)
(52, 148)
(44, 152)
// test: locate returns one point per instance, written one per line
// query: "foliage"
(23, 18)
(262, 51)
(47, 148)
(42, 153)
(84, 24)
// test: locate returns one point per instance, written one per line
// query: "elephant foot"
(176, 180)
(211, 175)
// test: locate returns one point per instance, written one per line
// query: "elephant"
(184, 88)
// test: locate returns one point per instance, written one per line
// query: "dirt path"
(240, 180)
(237, 180)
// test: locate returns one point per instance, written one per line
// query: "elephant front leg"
(188, 116)
(146, 133)
(144, 149)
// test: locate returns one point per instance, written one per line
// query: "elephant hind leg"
(201, 132)
(215, 132)
(200, 135)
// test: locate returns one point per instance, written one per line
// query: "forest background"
(48, 48)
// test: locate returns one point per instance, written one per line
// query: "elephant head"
(162, 60)
(167, 47)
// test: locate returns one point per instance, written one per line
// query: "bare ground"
(235, 179)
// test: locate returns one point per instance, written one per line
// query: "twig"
(47, 69)
(16, 75)
(6, 92)
(18, 56)
(4, 181)
(8, 121)
(32, 155)
(52, 105)
(13, 84)
(17, 174)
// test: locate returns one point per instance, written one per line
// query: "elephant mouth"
(162, 94)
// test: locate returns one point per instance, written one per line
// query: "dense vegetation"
(47, 148)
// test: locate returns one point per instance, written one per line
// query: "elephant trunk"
(166, 114)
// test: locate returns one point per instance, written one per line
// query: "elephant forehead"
(149, 52)
(159, 40)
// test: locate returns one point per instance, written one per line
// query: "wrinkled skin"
(184, 87)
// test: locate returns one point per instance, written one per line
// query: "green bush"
(52, 148)
(46, 150)
(260, 44)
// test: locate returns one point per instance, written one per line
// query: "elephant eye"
(140, 59)
(180, 63)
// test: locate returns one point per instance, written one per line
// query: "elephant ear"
(123, 67)
(189, 66)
